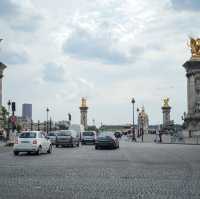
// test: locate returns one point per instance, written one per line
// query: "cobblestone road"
(135, 171)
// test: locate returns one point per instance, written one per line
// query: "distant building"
(27, 111)
(113, 128)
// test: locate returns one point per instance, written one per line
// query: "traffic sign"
(13, 119)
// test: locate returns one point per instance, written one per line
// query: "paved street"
(135, 171)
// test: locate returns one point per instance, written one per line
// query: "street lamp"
(8, 131)
(47, 110)
(133, 102)
(138, 126)
(133, 129)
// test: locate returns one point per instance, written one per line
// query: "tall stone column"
(166, 115)
(2, 67)
(83, 111)
(192, 119)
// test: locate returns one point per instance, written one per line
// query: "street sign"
(13, 119)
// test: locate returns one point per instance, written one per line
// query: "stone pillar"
(166, 115)
(192, 119)
(83, 111)
(2, 67)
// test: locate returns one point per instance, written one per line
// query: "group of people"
(158, 134)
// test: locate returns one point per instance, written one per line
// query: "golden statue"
(166, 102)
(195, 47)
(83, 102)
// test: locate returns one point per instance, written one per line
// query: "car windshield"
(88, 133)
(64, 133)
(28, 135)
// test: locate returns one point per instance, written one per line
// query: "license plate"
(25, 142)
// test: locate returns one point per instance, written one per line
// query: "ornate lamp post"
(138, 126)
(133, 102)
(133, 130)
(47, 110)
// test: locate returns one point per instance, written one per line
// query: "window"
(27, 135)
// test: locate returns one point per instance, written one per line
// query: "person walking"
(133, 135)
(157, 135)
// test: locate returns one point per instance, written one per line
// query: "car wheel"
(38, 152)
(50, 149)
(56, 145)
(15, 152)
(96, 147)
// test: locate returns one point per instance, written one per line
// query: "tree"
(4, 116)
(18, 128)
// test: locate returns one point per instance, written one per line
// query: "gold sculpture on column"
(166, 102)
(83, 102)
(195, 47)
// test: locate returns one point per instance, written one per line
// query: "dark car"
(52, 137)
(106, 140)
(67, 138)
(88, 137)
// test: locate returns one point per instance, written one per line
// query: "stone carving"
(195, 47)
(83, 102)
(166, 102)
(197, 107)
(197, 85)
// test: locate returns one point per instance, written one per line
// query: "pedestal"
(192, 118)
(166, 115)
(84, 116)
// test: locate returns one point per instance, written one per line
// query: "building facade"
(27, 111)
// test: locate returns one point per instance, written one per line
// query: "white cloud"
(113, 50)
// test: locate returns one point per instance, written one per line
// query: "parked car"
(32, 141)
(52, 137)
(88, 137)
(67, 138)
(106, 139)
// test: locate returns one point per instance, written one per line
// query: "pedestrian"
(133, 135)
(157, 135)
(160, 136)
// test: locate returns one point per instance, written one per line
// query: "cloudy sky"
(106, 50)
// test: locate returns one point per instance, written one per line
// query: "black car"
(106, 140)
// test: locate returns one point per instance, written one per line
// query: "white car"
(32, 141)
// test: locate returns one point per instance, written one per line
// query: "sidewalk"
(166, 139)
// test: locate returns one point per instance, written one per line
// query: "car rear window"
(106, 134)
(51, 134)
(87, 133)
(64, 133)
(27, 135)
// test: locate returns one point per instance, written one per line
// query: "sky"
(105, 50)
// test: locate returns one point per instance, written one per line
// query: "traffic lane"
(135, 170)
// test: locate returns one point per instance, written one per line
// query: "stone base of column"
(192, 122)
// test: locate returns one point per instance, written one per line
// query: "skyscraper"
(27, 111)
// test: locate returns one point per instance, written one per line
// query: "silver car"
(88, 137)
(67, 138)
(52, 136)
